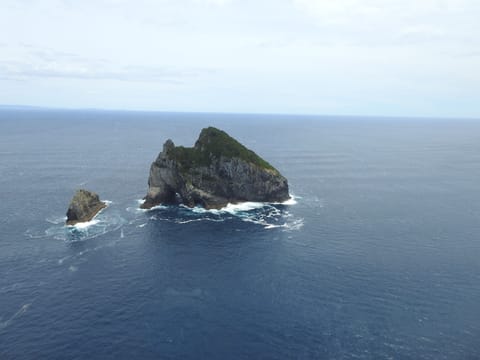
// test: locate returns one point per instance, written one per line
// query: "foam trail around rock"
(84, 225)
(140, 202)
(291, 201)
(56, 219)
(241, 207)
(94, 221)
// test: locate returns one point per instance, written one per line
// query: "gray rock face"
(218, 170)
(83, 207)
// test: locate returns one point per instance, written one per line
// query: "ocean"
(377, 255)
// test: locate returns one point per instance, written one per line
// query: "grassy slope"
(213, 143)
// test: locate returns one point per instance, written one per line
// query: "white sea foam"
(242, 207)
(230, 208)
(32, 234)
(265, 214)
(250, 205)
(56, 219)
(197, 220)
(20, 312)
(138, 209)
(156, 207)
(268, 215)
(273, 226)
(294, 225)
(200, 210)
(291, 201)
(101, 224)
(84, 225)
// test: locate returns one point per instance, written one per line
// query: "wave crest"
(268, 215)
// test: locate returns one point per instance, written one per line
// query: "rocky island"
(83, 207)
(216, 171)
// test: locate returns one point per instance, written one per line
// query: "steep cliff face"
(218, 170)
(83, 207)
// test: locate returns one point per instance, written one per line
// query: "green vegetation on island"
(213, 144)
(216, 171)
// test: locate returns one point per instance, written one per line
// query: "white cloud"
(349, 8)
(214, 2)
(374, 21)
(48, 63)
(265, 55)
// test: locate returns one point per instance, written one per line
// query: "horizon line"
(55, 108)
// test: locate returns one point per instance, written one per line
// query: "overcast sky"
(358, 57)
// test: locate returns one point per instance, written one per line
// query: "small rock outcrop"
(83, 207)
(216, 171)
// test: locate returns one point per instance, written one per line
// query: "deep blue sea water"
(378, 259)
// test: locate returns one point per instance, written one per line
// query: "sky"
(328, 57)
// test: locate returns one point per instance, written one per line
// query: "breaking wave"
(104, 222)
(267, 215)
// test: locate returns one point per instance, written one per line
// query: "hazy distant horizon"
(363, 116)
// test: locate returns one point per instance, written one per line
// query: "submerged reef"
(216, 171)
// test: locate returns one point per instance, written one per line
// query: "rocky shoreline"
(216, 171)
